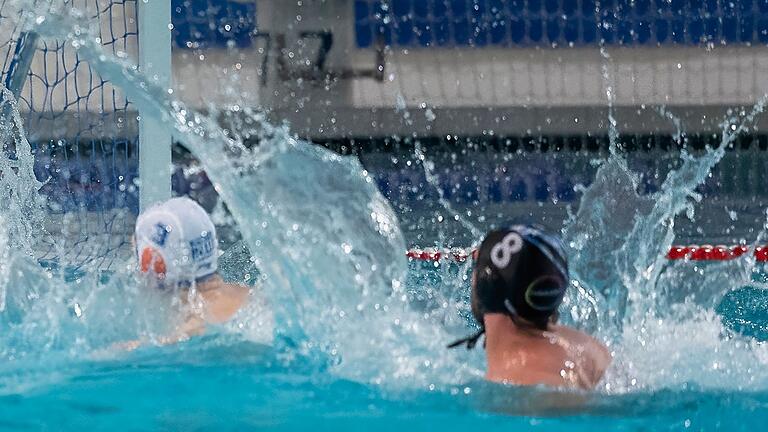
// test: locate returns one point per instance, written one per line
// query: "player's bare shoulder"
(238, 291)
(584, 340)
(593, 355)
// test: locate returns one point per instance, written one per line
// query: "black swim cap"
(521, 272)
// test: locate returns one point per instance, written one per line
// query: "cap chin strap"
(511, 309)
(471, 341)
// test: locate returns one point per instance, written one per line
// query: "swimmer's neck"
(500, 329)
(510, 345)
(210, 283)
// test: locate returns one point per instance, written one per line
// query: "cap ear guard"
(151, 259)
(545, 293)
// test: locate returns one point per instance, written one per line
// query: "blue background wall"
(412, 23)
(423, 23)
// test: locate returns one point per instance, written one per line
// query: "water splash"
(433, 180)
(618, 236)
(326, 242)
(21, 203)
(626, 291)
(329, 252)
(21, 209)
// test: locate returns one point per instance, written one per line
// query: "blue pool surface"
(223, 382)
(196, 388)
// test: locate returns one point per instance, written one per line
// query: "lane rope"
(678, 252)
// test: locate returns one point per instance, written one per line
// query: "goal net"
(82, 130)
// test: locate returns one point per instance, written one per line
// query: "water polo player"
(519, 279)
(177, 252)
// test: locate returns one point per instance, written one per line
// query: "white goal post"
(154, 17)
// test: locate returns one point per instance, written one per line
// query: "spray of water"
(658, 318)
(326, 243)
(51, 316)
(329, 255)
(21, 203)
(432, 180)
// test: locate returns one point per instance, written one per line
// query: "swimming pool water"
(176, 395)
(222, 382)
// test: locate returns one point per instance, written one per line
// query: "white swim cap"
(176, 241)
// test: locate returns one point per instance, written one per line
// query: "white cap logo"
(502, 252)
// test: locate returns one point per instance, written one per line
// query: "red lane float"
(714, 253)
(458, 255)
(692, 252)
